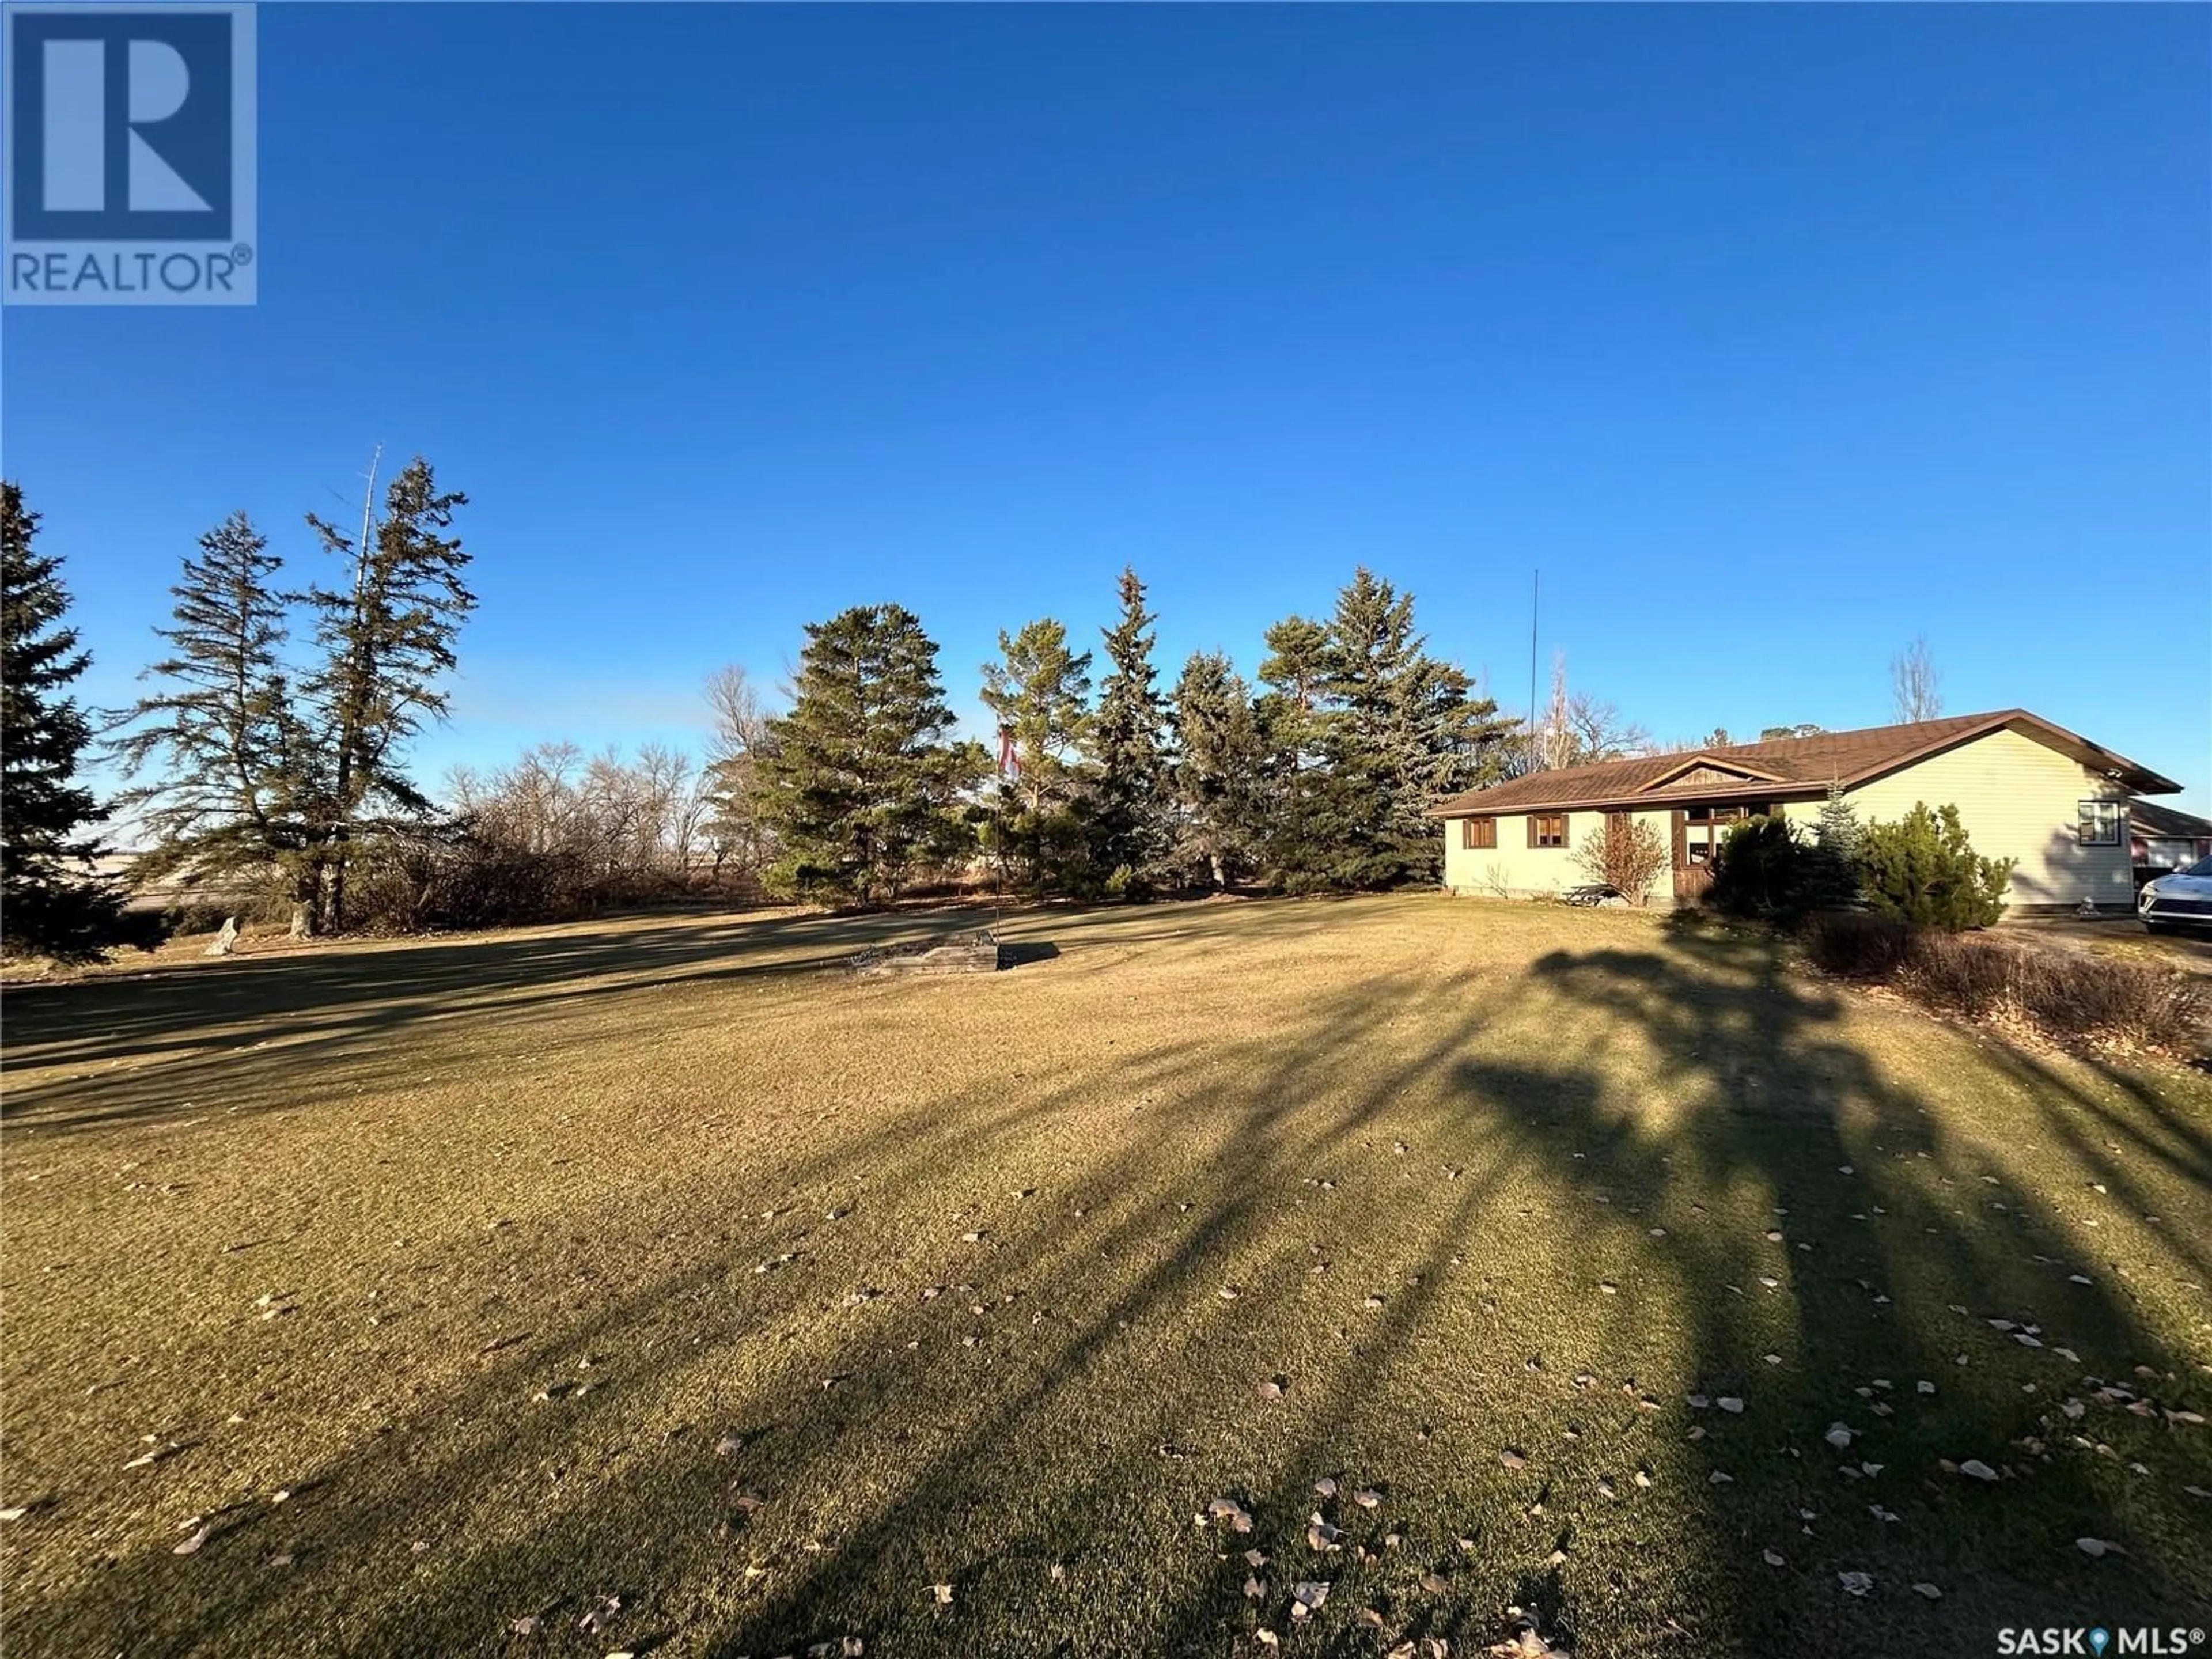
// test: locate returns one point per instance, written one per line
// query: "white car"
(2181, 898)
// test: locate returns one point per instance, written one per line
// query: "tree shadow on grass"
(280, 1033)
(1470, 1162)
(1869, 1250)
(651, 1514)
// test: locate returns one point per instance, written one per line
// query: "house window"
(1478, 833)
(1548, 829)
(2099, 824)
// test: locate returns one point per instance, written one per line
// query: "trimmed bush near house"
(1756, 870)
(1923, 870)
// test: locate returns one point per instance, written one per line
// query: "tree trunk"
(333, 890)
(303, 918)
(1220, 875)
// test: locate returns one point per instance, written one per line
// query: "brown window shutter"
(1531, 822)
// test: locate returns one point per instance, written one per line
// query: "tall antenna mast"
(1536, 601)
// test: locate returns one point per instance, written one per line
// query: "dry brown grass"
(329, 1225)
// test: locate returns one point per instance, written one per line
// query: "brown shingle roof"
(1785, 767)
(2158, 820)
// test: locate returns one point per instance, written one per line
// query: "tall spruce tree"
(1129, 822)
(861, 783)
(1369, 744)
(1828, 870)
(1220, 775)
(387, 643)
(1369, 731)
(1293, 717)
(236, 774)
(1041, 693)
(50, 904)
(1456, 739)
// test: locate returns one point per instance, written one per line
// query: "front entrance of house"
(1699, 832)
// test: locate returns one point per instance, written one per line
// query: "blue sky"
(1774, 335)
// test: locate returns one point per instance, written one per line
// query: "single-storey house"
(2163, 839)
(2054, 803)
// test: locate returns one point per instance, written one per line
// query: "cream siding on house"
(1521, 871)
(2018, 800)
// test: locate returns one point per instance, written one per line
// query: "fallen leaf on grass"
(1856, 1583)
(1771, 1558)
(601, 1616)
(1730, 1403)
(1979, 1470)
(1928, 1590)
(943, 1593)
(1228, 1510)
(2096, 1548)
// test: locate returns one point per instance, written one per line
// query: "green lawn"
(452, 1284)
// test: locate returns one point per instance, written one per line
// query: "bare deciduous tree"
(740, 722)
(1577, 729)
(1602, 733)
(730, 823)
(1627, 854)
(1916, 684)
